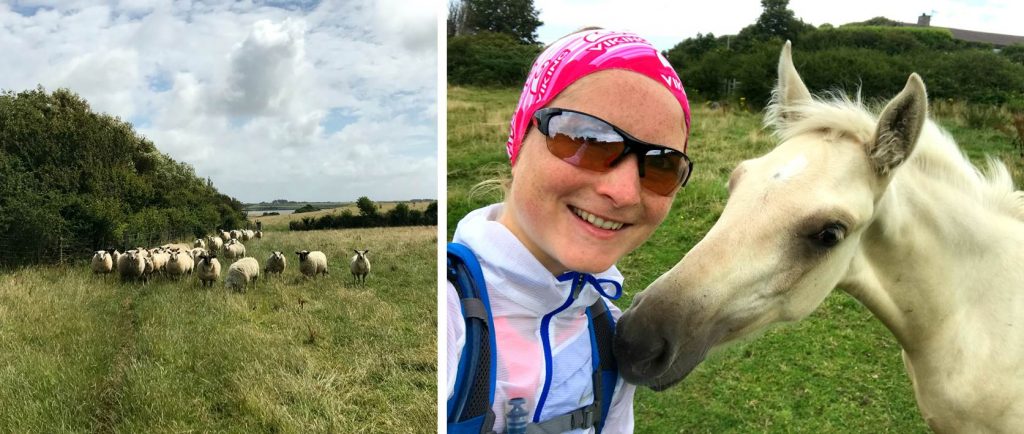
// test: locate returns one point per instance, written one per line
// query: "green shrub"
(489, 59)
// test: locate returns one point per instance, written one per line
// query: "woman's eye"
(830, 235)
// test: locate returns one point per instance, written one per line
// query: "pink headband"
(582, 53)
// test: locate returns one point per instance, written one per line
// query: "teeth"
(598, 221)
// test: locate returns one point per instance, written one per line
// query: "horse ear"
(899, 126)
(790, 89)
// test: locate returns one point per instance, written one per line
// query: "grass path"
(111, 389)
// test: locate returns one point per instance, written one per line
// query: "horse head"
(787, 235)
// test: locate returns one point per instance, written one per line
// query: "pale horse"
(887, 209)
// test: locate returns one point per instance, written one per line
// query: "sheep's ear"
(355, 250)
(790, 90)
(366, 251)
(899, 127)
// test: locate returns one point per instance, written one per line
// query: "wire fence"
(15, 251)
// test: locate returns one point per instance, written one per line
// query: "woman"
(597, 148)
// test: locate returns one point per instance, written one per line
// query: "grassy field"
(837, 371)
(280, 222)
(84, 353)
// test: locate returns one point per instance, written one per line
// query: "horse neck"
(935, 257)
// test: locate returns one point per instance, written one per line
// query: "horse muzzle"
(648, 353)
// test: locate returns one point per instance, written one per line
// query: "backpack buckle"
(584, 418)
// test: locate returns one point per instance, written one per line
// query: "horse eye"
(830, 235)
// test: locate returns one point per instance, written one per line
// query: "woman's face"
(548, 195)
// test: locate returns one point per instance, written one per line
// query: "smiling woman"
(597, 147)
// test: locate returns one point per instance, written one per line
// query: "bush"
(72, 178)
(489, 59)
(306, 208)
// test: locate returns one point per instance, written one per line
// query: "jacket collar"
(511, 269)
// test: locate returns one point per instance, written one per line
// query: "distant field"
(85, 353)
(838, 371)
(280, 222)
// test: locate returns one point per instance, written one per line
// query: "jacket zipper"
(546, 342)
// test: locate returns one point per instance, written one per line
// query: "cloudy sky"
(666, 23)
(274, 99)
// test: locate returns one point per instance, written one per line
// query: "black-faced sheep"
(312, 263)
(208, 269)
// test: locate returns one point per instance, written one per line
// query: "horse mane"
(936, 153)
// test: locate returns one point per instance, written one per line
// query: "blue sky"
(666, 23)
(302, 100)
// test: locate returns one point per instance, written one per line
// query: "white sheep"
(160, 257)
(241, 272)
(131, 265)
(312, 263)
(208, 269)
(234, 249)
(276, 263)
(224, 236)
(196, 253)
(102, 262)
(360, 266)
(236, 234)
(215, 243)
(149, 268)
(179, 263)
(116, 255)
(199, 242)
(259, 235)
(246, 235)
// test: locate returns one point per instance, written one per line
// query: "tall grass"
(85, 353)
(837, 371)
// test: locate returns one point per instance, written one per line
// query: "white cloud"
(243, 91)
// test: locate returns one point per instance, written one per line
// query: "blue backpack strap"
(469, 408)
(606, 370)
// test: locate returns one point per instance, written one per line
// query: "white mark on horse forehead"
(793, 167)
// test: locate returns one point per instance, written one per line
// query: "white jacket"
(522, 294)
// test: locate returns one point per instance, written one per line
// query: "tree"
(456, 17)
(517, 18)
(776, 21)
(366, 207)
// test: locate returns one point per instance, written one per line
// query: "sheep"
(360, 266)
(259, 235)
(215, 243)
(236, 234)
(199, 242)
(241, 272)
(208, 268)
(102, 262)
(276, 263)
(234, 249)
(224, 236)
(312, 263)
(245, 234)
(160, 258)
(149, 269)
(179, 263)
(131, 265)
(196, 253)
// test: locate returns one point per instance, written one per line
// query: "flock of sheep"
(177, 260)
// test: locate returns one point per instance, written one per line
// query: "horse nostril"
(641, 354)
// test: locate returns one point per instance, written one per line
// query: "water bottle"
(516, 420)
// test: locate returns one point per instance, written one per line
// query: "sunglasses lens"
(583, 141)
(663, 171)
(590, 143)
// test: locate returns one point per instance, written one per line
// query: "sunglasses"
(594, 144)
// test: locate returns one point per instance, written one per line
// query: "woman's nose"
(622, 183)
